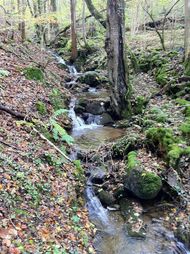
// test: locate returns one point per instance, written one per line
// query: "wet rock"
(97, 175)
(132, 213)
(95, 108)
(183, 234)
(144, 184)
(92, 78)
(106, 119)
(106, 198)
(126, 144)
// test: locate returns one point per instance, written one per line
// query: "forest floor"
(42, 209)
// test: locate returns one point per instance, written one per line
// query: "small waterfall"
(181, 248)
(77, 121)
(97, 212)
(72, 70)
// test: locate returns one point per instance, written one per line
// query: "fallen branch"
(54, 146)
(23, 117)
(16, 114)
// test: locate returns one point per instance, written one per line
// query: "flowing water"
(112, 236)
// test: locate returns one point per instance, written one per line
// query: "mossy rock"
(41, 107)
(92, 78)
(164, 143)
(132, 161)
(125, 145)
(178, 89)
(106, 198)
(183, 233)
(159, 139)
(34, 73)
(144, 184)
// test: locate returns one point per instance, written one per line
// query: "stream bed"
(112, 235)
(112, 229)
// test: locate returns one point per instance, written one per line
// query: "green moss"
(185, 128)
(186, 104)
(124, 145)
(160, 138)
(174, 154)
(34, 73)
(41, 107)
(57, 99)
(166, 144)
(150, 183)
(132, 161)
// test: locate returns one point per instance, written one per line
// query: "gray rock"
(106, 119)
(144, 184)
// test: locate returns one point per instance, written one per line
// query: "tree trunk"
(22, 26)
(187, 29)
(54, 27)
(95, 13)
(73, 31)
(115, 52)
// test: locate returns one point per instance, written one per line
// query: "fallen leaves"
(39, 207)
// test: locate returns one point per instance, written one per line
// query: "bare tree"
(115, 51)
(95, 13)
(160, 32)
(73, 31)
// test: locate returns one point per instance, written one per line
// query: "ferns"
(58, 131)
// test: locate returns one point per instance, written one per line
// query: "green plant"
(57, 99)
(34, 73)
(79, 171)
(58, 131)
(41, 107)
(185, 128)
(4, 73)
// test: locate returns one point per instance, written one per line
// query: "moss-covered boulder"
(92, 78)
(163, 141)
(34, 73)
(144, 184)
(125, 145)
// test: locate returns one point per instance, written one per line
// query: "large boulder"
(92, 78)
(144, 184)
(106, 198)
(125, 145)
(106, 119)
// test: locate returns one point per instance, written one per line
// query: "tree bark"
(74, 52)
(95, 13)
(115, 51)
(187, 29)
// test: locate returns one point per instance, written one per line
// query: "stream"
(112, 235)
